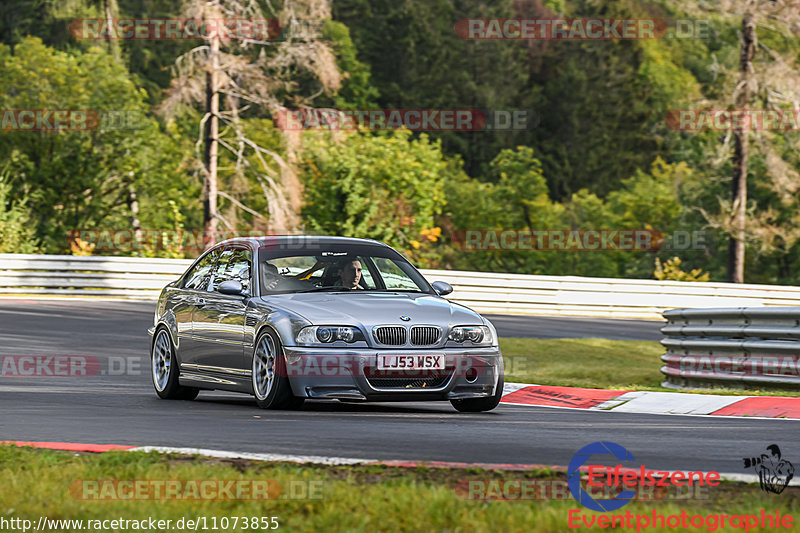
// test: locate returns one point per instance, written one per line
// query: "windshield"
(338, 268)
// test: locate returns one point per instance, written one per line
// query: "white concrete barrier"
(486, 292)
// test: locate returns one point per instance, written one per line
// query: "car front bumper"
(351, 374)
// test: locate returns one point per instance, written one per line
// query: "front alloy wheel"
(270, 383)
(264, 368)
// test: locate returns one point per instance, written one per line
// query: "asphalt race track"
(118, 406)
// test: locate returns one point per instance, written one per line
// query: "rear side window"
(233, 263)
(197, 278)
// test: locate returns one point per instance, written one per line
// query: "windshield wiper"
(397, 290)
(338, 288)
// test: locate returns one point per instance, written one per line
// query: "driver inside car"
(350, 273)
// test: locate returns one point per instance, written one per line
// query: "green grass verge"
(596, 363)
(362, 498)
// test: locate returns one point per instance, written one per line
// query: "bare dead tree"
(771, 80)
(250, 73)
(110, 10)
(736, 246)
(211, 142)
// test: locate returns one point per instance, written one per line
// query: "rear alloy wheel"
(270, 383)
(164, 364)
(477, 405)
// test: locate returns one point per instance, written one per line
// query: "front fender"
(284, 322)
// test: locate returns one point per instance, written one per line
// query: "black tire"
(268, 356)
(165, 375)
(189, 393)
(479, 405)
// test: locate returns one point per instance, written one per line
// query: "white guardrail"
(132, 277)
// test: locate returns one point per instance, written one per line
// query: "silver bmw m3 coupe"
(290, 318)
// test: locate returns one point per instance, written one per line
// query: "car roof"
(272, 240)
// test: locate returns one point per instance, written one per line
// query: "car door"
(219, 319)
(185, 303)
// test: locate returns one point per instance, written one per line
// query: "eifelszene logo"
(624, 477)
(774, 473)
(574, 476)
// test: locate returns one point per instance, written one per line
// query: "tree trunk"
(211, 146)
(112, 13)
(736, 246)
(133, 204)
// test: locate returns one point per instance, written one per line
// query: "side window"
(366, 276)
(198, 276)
(232, 264)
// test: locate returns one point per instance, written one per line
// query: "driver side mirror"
(442, 288)
(232, 287)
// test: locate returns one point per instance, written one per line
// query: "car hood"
(374, 308)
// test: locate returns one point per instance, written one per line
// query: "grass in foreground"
(363, 498)
(596, 363)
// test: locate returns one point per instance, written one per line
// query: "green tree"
(357, 90)
(16, 234)
(671, 270)
(80, 179)
(514, 196)
(418, 61)
(748, 193)
(385, 187)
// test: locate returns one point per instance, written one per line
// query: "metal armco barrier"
(486, 292)
(732, 347)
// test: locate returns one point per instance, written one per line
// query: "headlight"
(481, 335)
(328, 334)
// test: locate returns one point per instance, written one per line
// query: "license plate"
(411, 362)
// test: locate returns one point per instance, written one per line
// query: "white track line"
(221, 454)
(344, 461)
